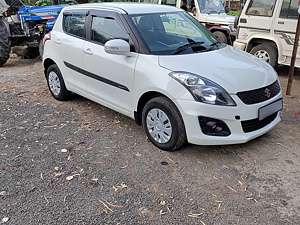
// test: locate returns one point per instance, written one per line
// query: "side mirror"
(236, 21)
(227, 9)
(117, 47)
(194, 11)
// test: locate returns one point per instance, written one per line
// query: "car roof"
(127, 7)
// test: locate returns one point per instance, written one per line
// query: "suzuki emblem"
(267, 92)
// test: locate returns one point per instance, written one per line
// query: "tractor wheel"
(5, 42)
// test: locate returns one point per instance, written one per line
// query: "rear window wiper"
(184, 47)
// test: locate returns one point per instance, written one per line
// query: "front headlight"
(203, 90)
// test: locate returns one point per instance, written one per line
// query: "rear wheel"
(163, 124)
(221, 36)
(5, 43)
(56, 84)
(267, 53)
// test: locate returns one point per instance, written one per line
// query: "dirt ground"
(77, 162)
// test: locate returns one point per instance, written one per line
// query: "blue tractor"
(23, 27)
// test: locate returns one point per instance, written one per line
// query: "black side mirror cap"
(227, 9)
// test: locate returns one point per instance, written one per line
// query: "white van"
(267, 30)
(211, 13)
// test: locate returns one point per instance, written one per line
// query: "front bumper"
(239, 45)
(231, 116)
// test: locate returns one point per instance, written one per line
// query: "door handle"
(242, 20)
(88, 51)
(280, 22)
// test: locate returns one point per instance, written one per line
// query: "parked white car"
(159, 65)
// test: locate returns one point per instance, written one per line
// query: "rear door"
(109, 77)
(68, 49)
(285, 26)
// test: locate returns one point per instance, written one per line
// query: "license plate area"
(268, 110)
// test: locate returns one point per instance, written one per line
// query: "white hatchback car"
(160, 66)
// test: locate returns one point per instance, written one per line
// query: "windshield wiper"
(214, 45)
(184, 47)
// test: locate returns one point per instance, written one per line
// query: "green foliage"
(234, 12)
(41, 3)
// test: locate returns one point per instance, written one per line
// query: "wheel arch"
(142, 102)
(273, 42)
(47, 62)
(222, 29)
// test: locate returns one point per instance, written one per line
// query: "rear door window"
(289, 9)
(74, 24)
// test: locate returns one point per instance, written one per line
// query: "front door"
(109, 77)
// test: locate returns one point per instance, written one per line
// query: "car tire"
(163, 124)
(5, 42)
(56, 83)
(221, 36)
(266, 52)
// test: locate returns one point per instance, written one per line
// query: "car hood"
(232, 69)
(219, 18)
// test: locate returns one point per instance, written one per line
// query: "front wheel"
(163, 124)
(266, 52)
(56, 84)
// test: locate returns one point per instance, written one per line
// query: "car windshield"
(211, 6)
(173, 33)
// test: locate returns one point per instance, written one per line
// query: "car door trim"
(95, 76)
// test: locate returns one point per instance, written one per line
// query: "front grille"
(259, 95)
(255, 124)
